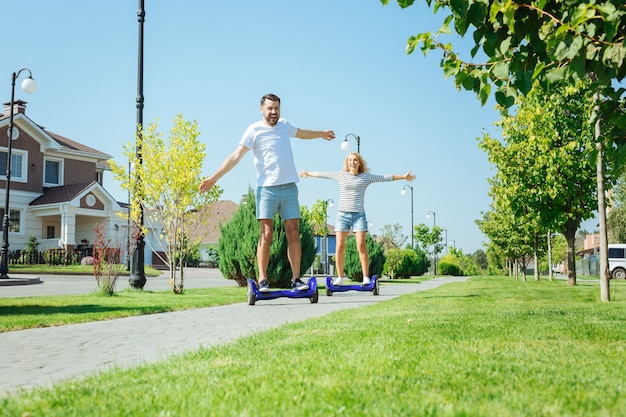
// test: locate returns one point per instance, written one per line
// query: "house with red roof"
(56, 192)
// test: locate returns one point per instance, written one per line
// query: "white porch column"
(68, 225)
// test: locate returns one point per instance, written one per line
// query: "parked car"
(617, 260)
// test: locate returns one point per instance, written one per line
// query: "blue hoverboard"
(254, 294)
(330, 288)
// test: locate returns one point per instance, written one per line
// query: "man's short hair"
(272, 97)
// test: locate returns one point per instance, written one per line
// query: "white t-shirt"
(271, 147)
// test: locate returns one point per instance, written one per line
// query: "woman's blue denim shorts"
(348, 219)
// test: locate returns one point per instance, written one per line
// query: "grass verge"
(45, 311)
(72, 269)
(21, 313)
(490, 346)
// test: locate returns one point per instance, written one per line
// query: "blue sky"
(337, 65)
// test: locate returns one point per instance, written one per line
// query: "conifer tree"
(352, 266)
(238, 244)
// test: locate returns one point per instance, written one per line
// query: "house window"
(50, 232)
(52, 172)
(18, 159)
(14, 220)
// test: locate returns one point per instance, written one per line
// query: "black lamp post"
(434, 245)
(345, 145)
(128, 234)
(327, 203)
(403, 192)
(137, 275)
(29, 86)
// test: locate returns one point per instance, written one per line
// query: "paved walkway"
(41, 357)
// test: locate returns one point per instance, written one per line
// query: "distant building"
(56, 192)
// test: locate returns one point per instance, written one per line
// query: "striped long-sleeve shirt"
(352, 188)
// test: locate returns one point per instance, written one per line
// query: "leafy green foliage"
(617, 224)
(447, 267)
(617, 216)
(352, 266)
(540, 43)
(427, 238)
(391, 237)
(279, 268)
(480, 257)
(405, 263)
(543, 40)
(238, 245)
(545, 179)
(31, 252)
(164, 186)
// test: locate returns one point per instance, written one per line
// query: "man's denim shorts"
(278, 198)
(348, 219)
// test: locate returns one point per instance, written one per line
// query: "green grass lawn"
(71, 269)
(29, 312)
(490, 346)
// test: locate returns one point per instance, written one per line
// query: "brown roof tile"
(60, 194)
(75, 146)
(220, 213)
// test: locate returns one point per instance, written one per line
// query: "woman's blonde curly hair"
(362, 163)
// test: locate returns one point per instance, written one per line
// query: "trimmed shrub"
(405, 263)
(238, 244)
(449, 268)
(352, 266)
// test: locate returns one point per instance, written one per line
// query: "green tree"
(422, 265)
(616, 219)
(31, 252)
(238, 245)
(165, 189)
(617, 224)
(546, 41)
(394, 259)
(510, 239)
(559, 249)
(480, 257)
(352, 266)
(317, 217)
(544, 166)
(427, 238)
(391, 237)
(405, 263)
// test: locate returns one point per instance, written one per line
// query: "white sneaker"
(366, 281)
(338, 281)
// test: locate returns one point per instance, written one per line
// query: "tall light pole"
(128, 234)
(345, 145)
(403, 192)
(327, 203)
(29, 86)
(137, 275)
(434, 244)
(453, 243)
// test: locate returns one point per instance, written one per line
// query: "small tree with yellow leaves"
(164, 187)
